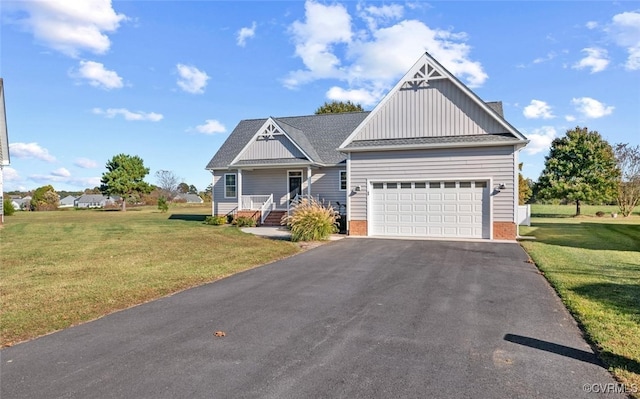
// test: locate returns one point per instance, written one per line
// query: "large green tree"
(580, 167)
(336, 107)
(628, 158)
(524, 187)
(124, 176)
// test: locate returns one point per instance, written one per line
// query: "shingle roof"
(476, 139)
(317, 135)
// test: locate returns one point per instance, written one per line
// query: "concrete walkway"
(280, 233)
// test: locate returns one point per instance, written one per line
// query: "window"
(392, 185)
(420, 184)
(465, 184)
(449, 184)
(343, 180)
(378, 186)
(434, 185)
(230, 185)
(405, 185)
(482, 184)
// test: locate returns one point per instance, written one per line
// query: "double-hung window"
(230, 187)
(343, 180)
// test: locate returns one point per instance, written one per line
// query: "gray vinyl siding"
(276, 147)
(222, 205)
(325, 185)
(441, 109)
(444, 164)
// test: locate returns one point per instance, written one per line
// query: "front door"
(295, 184)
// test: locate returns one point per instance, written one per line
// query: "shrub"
(599, 214)
(310, 220)
(245, 221)
(8, 207)
(163, 206)
(215, 220)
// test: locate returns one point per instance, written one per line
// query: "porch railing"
(254, 202)
(296, 200)
(266, 208)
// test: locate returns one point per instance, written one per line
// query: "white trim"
(428, 59)
(239, 189)
(301, 181)
(516, 186)
(347, 210)
(258, 133)
(309, 181)
(213, 190)
(346, 185)
(224, 184)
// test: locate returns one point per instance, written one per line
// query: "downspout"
(239, 189)
(348, 205)
(309, 180)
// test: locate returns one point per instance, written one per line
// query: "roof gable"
(271, 141)
(430, 102)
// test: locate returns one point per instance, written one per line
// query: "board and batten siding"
(275, 147)
(441, 109)
(496, 163)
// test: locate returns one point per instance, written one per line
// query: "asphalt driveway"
(356, 318)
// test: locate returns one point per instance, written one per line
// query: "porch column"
(239, 189)
(309, 181)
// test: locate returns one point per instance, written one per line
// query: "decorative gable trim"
(427, 69)
(269, 129)
(4, 138)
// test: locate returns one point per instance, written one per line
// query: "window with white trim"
(230, 187)
(343, 180)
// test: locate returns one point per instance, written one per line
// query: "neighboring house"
(95, 201)
(190, 198)
(430, 160)
(67, 202)
(21, 204)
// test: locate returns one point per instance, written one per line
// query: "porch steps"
(273, 219)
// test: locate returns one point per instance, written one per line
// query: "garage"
(455, 209)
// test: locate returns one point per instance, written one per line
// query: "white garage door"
(430, 209)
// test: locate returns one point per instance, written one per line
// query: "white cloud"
(246, 33)
(129, 115)
(591, 25)
(540, 140)
(70, 26)
(211, 126)
(625, 30)
(10, 174)
(192, 80)
(538, 109)
(85, 163)
(569, 118)
(356, 96)
(53, 178)
(550, 55)
(597, 59)
(30, 151)
(372, 59)
(61, 172)
(97, 75)
(591, 108)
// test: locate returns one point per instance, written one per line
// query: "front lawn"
(594, 264)
(65, 267)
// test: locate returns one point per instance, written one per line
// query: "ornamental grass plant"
(310, 220)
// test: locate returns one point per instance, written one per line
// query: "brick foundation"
(358, 228)
(504, 231)
(255, 215)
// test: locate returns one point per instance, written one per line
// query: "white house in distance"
(4, 148)
(432, 159)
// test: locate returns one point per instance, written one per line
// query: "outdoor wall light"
(502, 186)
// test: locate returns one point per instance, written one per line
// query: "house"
(430, 160)
(67, 202)
(95, 201)
(190, 198)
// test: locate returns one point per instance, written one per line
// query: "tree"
(183, 188)
(163, 206)
(168, 182)
(336, 107)
(524, 188)
(628, 159)
(124, 176)
(7, 206)
(45, 198)
(580, 167)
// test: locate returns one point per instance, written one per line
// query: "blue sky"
(168, 81)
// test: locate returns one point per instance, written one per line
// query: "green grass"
(594, 265)
(63, 268)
